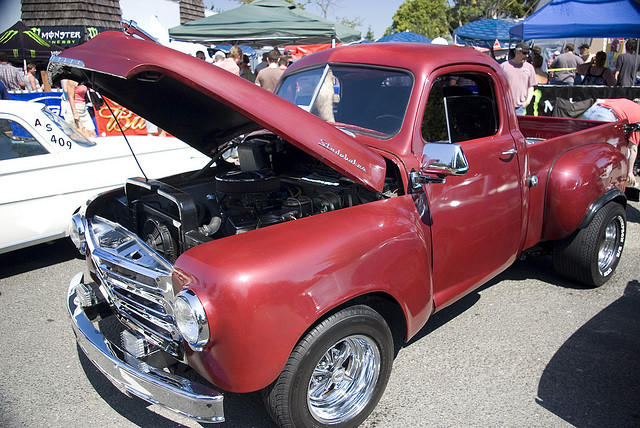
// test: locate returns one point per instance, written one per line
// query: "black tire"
(338, 347)
(590, 255)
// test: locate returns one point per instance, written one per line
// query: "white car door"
(48, 170)
(35, 177)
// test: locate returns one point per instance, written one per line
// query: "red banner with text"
(107, 123)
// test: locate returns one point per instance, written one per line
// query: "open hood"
(205, 105)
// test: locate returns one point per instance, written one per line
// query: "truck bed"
(547, 138)
(538, 128)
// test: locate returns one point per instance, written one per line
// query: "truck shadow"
(39, 256)
(591, 381)
(241, 410)
(538, 268)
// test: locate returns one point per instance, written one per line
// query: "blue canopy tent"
(484, 33)
(404, 36)
(581, 18)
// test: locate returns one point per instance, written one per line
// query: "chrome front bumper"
(156, 386)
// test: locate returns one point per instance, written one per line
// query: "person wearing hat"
(521, 77)
(218, 57)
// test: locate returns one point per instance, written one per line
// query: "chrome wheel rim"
(608, 246)
(344, 380)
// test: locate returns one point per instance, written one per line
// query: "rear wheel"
(590, 255)
(337, 373)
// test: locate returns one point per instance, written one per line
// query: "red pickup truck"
(379, 184)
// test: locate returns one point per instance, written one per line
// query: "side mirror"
(440, 160)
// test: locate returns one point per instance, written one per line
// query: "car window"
(361, 99)
(73, 133)
(460, 107)
(17, 142)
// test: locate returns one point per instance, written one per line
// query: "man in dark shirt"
(627, 65)
(565, 66)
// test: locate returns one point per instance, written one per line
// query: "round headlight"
(191, 319)
(76, 233)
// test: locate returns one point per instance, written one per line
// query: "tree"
(464, 11)
(370, 36)
(351, 23)
(326, 5)
(427, 17)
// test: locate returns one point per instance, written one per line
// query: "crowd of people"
(526, 68)
(14, 79)
(266, 74)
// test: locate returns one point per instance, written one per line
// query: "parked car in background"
(48, 170)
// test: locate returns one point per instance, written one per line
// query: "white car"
(48, 170)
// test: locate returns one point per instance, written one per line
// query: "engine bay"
(258, 182)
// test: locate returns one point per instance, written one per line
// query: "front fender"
(578, 178)
(263, 289)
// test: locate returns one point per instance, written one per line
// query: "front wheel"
(336, 374)
(591, 255)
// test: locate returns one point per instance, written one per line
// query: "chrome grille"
(136, 281)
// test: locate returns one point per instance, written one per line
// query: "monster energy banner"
(21, 43)
(544, 96)
(68, 36)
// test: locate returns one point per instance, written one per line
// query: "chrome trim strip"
(175, 393)
(132, 316)
(122, 292)
(66, 61)
(131, 284)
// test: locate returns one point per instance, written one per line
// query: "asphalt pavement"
(528, 349)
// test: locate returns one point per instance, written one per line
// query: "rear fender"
(580, 181)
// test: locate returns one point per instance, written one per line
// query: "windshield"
(75, 136)
(362, 100)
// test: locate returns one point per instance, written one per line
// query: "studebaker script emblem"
(344, 156)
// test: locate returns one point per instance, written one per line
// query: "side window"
(460, 107)
(17, 142)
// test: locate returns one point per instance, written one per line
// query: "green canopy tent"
(21, 44)
(264, 22)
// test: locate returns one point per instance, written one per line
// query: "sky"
(375, 13)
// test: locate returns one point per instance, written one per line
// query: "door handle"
(509, 152)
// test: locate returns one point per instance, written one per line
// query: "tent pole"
(635, 65)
